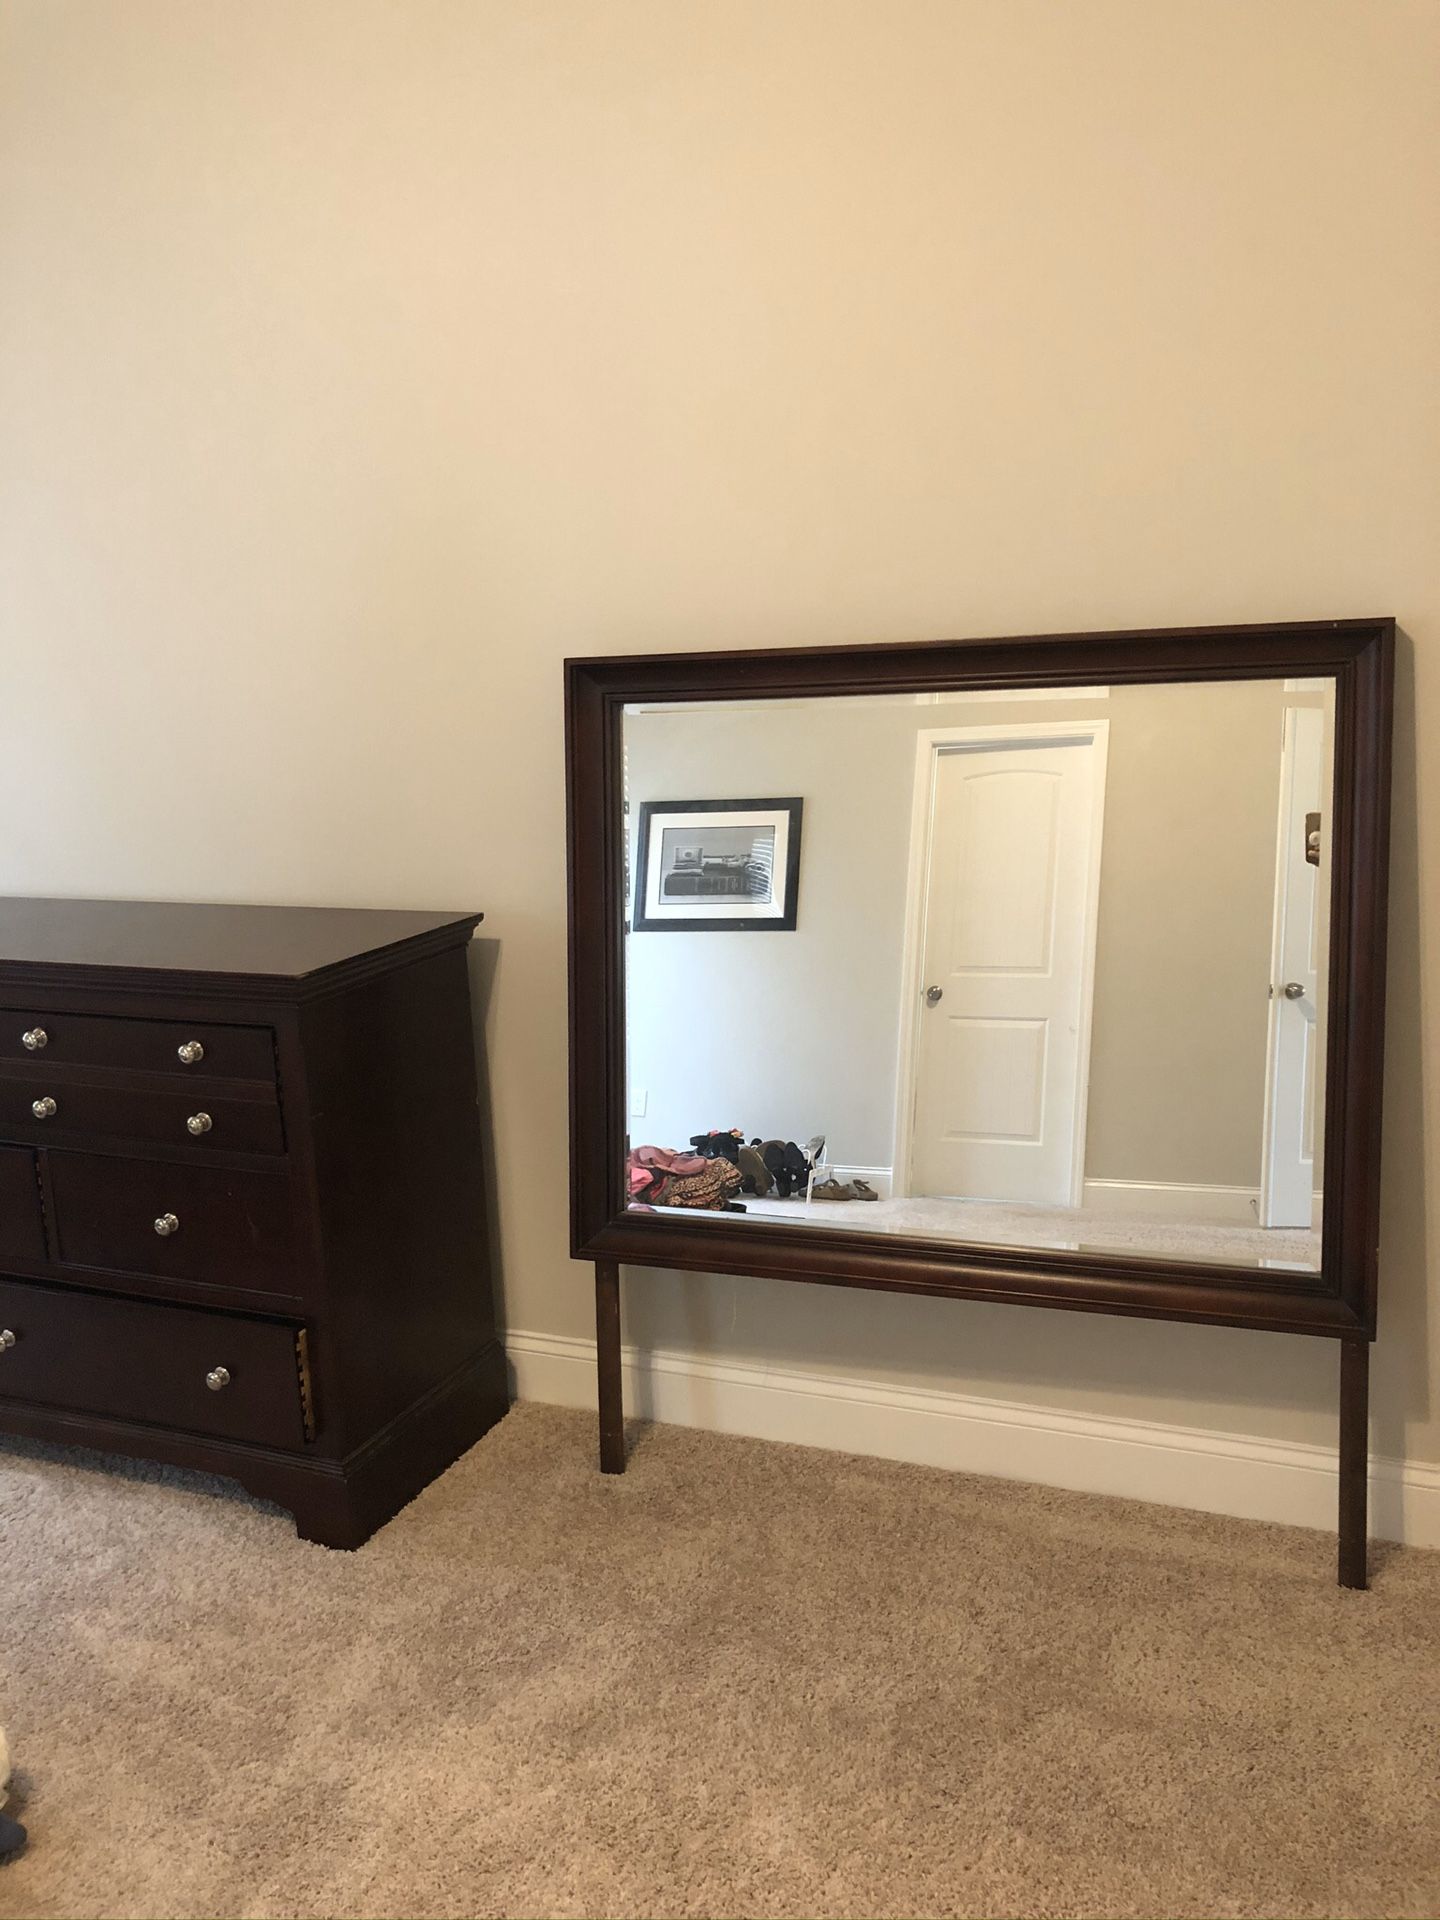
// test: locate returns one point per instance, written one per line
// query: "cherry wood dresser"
(242, 1215)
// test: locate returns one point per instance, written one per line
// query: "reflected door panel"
(1008, 902)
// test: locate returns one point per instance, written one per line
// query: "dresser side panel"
(392, 1138)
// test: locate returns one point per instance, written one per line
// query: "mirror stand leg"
(1354, 1460)
(607, 1359)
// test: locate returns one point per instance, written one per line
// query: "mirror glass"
(1040, 968)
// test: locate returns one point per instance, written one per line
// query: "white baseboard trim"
(880, 1178)
(1175, 1200)
(1235, 1474)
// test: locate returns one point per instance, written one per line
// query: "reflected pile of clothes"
(662, 1177)
(719, 1165)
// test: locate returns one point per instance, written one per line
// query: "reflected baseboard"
(1175, 1200)
(882, 1179)
(1181, 1200)
(1237, 1474)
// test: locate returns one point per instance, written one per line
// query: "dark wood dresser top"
(289, 947)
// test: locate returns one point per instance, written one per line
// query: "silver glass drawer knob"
(217, 1378)
(167, 1224)
(35, 1040)
(191, 1052)
(199, 1123)
(44, 1109)
(7, 1339)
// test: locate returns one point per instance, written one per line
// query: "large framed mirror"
(1048, 970)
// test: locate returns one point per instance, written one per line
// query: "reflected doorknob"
(932, 995)
(1294, 990)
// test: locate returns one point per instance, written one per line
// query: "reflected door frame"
(931, 744)
(1290, 1189)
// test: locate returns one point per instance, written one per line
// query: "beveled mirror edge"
(1338, 1300)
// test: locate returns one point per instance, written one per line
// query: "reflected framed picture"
(717, 866)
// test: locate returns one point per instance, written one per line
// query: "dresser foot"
(1354, 1461)
(344, 1506)
(607, 1357)
(329, 1517)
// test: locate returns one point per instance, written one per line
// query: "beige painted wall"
(789, 1033)
(358, 361)
(1182, 953)
(798, 1032)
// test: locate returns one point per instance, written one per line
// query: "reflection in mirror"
(1041, 968)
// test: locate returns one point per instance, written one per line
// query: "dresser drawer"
(178, 1221)
(22, 1231)
(156, 1046)
(133, 1360)
(38, 1106)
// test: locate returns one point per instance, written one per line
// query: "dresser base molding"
(336, 1503)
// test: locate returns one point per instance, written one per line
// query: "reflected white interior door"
(1009, 935)
(1288, 1184)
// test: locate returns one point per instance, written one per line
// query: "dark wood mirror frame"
(1338, 1301)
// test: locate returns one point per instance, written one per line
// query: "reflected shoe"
(863, 1190)
(773, 1154)
(797, 1166)
(835, 1190)
(755, 1176)
(719, 1144)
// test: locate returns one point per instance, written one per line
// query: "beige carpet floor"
(742, 1680)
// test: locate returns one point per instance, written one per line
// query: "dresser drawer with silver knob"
(173, 1220)
(228, 1375)
(44, 1103)
(154, 1046)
